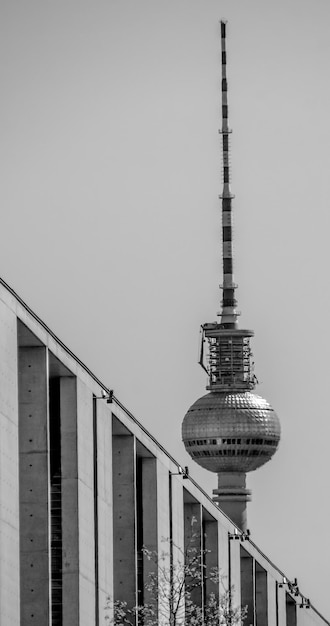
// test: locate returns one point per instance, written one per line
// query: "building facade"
(83, 486)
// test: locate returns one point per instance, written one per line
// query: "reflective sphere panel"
(231, 432)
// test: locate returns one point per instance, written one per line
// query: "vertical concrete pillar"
(177, 515)
(70, 531)
(9, 476)
(163, 507)
(193, 547)
(124, 524)
(163, 540)
(261, 595)
(223, 549)
(177, 540)
(86, 522)
(247, 586)
(281, 605)
(34, 486)
(234, 573)
(272, 602)
(211, 558)
(105, 529)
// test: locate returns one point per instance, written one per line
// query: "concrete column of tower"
(232, 496)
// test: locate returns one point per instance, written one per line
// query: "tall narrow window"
(146, 524)
(247, 585)
(193, 544)
(124, 518)
(261, 595)
(139, 531)
(55, 501)
(291, 611)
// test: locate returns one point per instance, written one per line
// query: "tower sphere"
(231, 432)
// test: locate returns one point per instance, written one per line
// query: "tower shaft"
(232, 496)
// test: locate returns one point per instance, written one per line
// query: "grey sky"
(110, 227)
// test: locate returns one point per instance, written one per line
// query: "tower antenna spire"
(229, 313)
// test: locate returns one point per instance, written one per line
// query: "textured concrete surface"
(33, 482)
(105, 510)
(271, 595)
(234, 581)
(163, 525)
(85, 505)
(9, 483)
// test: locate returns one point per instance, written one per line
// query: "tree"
(170, 591)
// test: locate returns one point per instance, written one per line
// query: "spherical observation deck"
(231, 432)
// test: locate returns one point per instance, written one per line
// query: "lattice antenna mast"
(228, 313)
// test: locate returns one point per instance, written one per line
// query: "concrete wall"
(105, 510)
(178, 543)
(163, 543)
(9, 480)
(234, 579)
(34, 485)
(271, 594)
(86, 530)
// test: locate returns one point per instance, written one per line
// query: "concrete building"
(83, 486)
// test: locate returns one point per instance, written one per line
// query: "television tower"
(230, 430)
